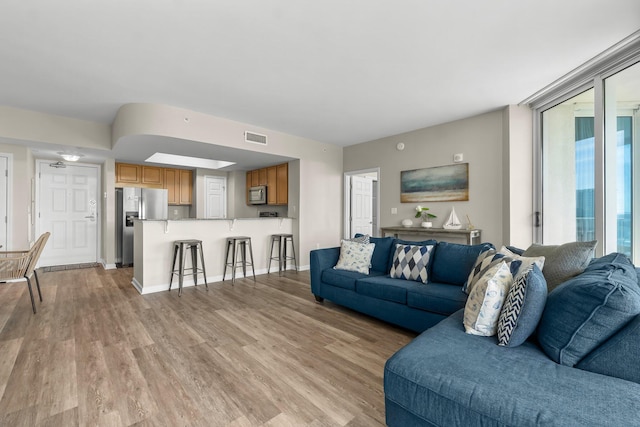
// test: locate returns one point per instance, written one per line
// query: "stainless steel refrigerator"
(133, 203)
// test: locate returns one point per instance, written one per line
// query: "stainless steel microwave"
(258, 195)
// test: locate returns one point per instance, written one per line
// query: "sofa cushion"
(446, 377)
(410, 262)
(618, 357)
(562, 262)
(614, 261)
(482, 309)
(383, 287)
(523, 307)
(588, 309)
(355, 256)
(452, 262)
(438, 298)
(381, 258)
(343, 278)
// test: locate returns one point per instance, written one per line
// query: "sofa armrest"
(320, 260)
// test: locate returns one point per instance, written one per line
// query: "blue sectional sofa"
(405, 303)
(581, 367)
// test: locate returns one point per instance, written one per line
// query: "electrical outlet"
(457, 158)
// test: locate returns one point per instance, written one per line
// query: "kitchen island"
(153, 248)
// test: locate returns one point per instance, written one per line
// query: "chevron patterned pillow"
(523, 307)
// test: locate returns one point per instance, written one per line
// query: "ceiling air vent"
(256, 138)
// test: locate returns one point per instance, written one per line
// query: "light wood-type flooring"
(254, 354)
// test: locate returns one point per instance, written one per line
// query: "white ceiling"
(336, 71)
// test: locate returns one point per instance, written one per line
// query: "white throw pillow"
(355, 256)
(482, 310)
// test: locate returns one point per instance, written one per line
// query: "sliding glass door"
(568, 170)
(621, 102)
(588, 153)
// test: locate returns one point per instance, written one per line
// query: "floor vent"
(255, 138)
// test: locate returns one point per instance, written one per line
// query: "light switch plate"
(394, 211)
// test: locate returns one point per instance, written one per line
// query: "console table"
(472, 237)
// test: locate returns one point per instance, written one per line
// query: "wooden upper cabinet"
(179, 184)
(276, 178)
(272, 185)
(152, 177)
(172, 184)
(255, 177)
(282, 184)
(186, 186)
(128, 174)
(262, 176)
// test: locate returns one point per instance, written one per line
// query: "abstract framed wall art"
(438, 184)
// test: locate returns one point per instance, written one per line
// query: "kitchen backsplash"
(178, 212)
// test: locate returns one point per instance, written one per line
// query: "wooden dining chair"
(15, 265)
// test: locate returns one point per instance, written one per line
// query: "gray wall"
(484, 140)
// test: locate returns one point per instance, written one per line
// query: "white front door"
(68, 208)
(215, 196)
(4, 201)
(361, 205)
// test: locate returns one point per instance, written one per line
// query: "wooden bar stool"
(282, 256)
(180, 254)
(235, 244)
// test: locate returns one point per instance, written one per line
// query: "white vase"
(426, 224)
(407, 223)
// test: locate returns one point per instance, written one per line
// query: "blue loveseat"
(405, 303)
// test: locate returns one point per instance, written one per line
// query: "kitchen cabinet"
(179, 184)
(282, 184)
(152, 177)
(271, 185)
(128, 175)
(172, 184)
(186, 186)
(276, 178)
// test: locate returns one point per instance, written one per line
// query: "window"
(588, 150)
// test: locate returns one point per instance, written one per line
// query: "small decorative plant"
(422, 212)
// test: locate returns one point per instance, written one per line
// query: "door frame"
(99, 213)
(226, 194)
(347, 199)
(9, 201)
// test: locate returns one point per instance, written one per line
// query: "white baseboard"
(188, 281)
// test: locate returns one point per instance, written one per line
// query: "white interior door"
(68, 208)
(215, 196)
(361, 205)
(4, 201)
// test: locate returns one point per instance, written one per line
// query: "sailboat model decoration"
(452, 223)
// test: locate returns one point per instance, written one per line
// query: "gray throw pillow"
(562, 262)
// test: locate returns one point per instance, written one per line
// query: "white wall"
(483, 141)
(319, 171)
(518, 176)
(23, 172)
